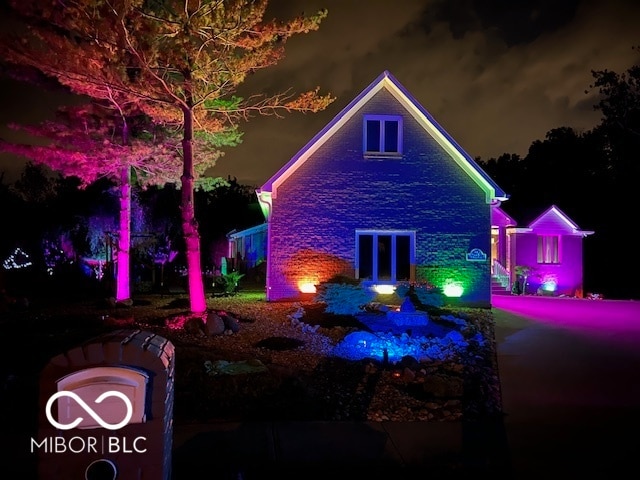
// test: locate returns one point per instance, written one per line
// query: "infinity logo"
(89, 410)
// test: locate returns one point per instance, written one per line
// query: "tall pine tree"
(107, 140)
(180, 62)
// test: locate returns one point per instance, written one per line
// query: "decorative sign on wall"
(476, 255)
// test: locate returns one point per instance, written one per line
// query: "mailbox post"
(106, 410)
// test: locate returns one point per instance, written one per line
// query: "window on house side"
(548, 249)
(382, 135)
(384, 256)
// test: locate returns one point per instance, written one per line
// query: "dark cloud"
(497, 75)
(514, 22)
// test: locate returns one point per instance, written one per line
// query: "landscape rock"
(214, 325)
(443, 386)
(408, 375)
(125, 303)
(194, 326)
(230, 323)
(409, 362)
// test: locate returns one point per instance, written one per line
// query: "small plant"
(523, 272)
(227, 284)
(232, 279)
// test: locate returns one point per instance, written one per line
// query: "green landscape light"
(453, 290)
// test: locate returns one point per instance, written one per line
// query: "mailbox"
(106, 410)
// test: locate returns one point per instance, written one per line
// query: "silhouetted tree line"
(43, 205)
(593, 177)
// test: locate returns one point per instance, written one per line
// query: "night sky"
(496, 75)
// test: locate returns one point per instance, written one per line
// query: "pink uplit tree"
(180, 62)
(95, 141)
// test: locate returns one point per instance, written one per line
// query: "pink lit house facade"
(550, 248)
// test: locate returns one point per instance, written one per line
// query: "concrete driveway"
(570, 376)
(601, 318)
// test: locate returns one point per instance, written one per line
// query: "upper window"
(382, 135)
(548, 249)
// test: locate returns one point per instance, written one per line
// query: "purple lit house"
(384, 194)
(549, 251)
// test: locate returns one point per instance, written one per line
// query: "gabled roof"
(501, 218)
(233, 234)
(424, 118)
(554, 215)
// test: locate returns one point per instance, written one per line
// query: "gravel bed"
(309, 382)
(297, 374)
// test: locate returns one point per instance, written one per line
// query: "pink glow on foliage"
(177, 323)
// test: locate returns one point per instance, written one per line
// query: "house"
(383, 194)
(246, 249)
(549, 251)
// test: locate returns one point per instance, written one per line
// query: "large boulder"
(214, 325)
(194, 326)
(230, 323)
(443, 386)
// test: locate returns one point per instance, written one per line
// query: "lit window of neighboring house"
(382, 135)
(548, 249)
(385, 255)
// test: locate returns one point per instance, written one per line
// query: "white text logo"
(89, 410)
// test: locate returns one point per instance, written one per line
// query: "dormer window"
(382, 135)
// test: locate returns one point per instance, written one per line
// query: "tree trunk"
(123, 292)
(189, 225)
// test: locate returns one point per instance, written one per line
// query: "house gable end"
(424, 119)
(500, 218)
(463, 159)
(555, 221)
